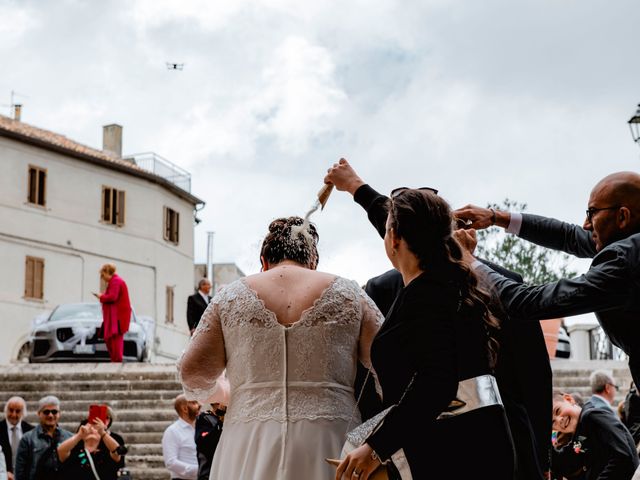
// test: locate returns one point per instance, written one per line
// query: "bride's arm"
(371, 321)
(204, 359)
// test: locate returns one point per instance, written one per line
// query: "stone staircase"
(573, 376)
(141, 396)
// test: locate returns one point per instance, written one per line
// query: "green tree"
(536, 264)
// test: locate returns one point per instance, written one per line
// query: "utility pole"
(210, 275)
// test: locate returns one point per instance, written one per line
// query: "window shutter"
(31, 197)
(176, 227)
(38, 276)
(106, 204)
(42, 175)
(28, 278)
(120, 211)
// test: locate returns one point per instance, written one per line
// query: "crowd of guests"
(47, 451)
(459, 357)
(443, 350)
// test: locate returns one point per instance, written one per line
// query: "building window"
(37, 185)
(170, 297)
(34, 278)
(113, 206)
(171, 225)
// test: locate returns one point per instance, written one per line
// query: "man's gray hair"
(15, 399)
(48, 400)
(599, 380)
(202, 281)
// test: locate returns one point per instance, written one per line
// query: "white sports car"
(72, 333)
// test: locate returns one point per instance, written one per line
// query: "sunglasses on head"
(49, 412)
(397, 191)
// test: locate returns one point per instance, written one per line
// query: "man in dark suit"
(610, 288)
(198, 303)
(12, 428)
(523, 371)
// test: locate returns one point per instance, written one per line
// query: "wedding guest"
(599, 444)
(433, 355)
(116, 311)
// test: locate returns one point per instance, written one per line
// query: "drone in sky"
(175, 66)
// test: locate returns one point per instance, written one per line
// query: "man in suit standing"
(603, 389)
(523, 371)
(12, 428)
(198, 303)
(610, 288)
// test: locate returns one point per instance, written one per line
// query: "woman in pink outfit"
(116, 311)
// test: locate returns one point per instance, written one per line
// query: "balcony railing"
(602, 348)
(154, 163)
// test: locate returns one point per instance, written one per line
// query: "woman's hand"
(100, 427)
(468, 242)
(344, 177)
(84, 432)
(358, 465)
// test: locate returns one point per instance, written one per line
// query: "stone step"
(145, 449)
(120, 407)
(53, 371)
(126, 427)
(88, 385)
(145, 461)
(95, 396)
(149, 473)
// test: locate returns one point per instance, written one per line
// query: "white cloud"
(15, 22)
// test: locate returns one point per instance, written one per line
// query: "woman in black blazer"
(433, 358)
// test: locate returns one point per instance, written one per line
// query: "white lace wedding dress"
(292, 391)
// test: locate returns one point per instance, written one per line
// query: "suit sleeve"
(552, 233)
(192, 313)
(23, 459)
(112, 293)
(612, 435)
(375, 205)
(435, 363)
(204, 360)
(605, 286)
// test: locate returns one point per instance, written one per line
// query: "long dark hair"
(287, 240)
(424, 221)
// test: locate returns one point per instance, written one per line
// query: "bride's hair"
(424, 221)
(287, 240)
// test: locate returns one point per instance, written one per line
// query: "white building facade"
(65, 210)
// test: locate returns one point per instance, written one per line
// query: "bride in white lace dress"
(289, 338)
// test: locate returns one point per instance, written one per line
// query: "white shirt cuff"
(515, 223)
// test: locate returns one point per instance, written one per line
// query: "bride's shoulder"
(230, 291)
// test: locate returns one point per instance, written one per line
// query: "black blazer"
(4, 441)
(523, 370)
(195, 308)
(608, 450)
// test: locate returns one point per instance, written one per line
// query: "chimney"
(112, 139)
(17, 111)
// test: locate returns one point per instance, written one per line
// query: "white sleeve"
(515, 223)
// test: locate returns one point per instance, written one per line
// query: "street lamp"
(634, 126)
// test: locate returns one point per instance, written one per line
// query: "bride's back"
(288, 289)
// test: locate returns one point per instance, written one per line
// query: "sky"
(519, 99)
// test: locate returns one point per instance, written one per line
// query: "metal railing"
(601, 347)
(154, 163)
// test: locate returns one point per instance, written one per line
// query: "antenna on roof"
(15, 109)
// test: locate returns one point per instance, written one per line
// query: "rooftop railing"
(154, 163)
